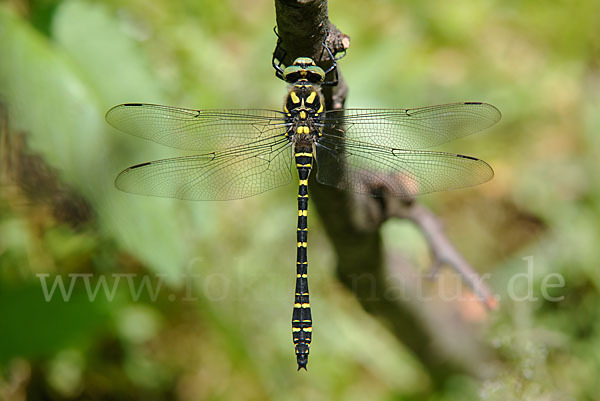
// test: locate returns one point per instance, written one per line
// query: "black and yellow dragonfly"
(245, 152)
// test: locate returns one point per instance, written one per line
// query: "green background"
(64, 63)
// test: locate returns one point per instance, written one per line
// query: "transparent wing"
(231, 174)
(370, 169)
(410, 128)
(202, 130)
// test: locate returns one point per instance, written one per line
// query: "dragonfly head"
(304, 68)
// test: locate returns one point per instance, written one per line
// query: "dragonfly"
(245, 152)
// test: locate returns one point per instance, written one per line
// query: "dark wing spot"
(139, 165)
(467, 157)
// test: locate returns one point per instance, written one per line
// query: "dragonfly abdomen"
(301, 316)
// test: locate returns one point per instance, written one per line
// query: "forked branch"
(363, 265)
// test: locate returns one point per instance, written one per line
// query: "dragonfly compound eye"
(304, 68)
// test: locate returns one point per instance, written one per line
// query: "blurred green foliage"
(226, 335)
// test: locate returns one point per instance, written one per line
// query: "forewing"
(201, 130)
(376, 170)
(410, 128)
(214, 176)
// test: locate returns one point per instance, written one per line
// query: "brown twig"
(443, 252)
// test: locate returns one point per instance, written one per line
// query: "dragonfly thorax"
(304, 106)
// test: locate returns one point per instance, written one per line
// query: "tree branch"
(363, 267)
